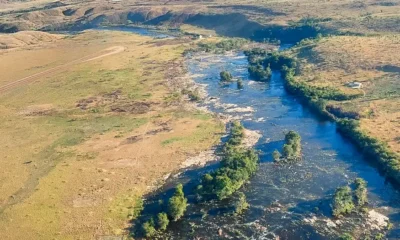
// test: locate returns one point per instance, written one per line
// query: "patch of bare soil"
(162, 128)
(38, 110)
(132, 107)
(117, 102)
(96, 101)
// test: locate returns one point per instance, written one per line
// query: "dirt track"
(26, 80)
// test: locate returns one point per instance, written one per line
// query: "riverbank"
(372, 147)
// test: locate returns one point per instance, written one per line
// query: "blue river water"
(289, 201)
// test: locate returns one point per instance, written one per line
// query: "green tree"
(292, 147)
(287, 151)
(342, 201)
(162, 221)
(241, 203)
(276, 155)
(360, 191)
(346, 236)
(225, 76)
(148, 229)
(177, 204)
(223, 187)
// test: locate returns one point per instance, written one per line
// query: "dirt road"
(26, 80)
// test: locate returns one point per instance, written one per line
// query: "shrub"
(276, 155)
(225, 76)
(346, 236)
(379, 236)
(360, 192)
(162, 221)
(241, 203)
(194, 96)
(342, 201)
(148, 229)
(177, 204)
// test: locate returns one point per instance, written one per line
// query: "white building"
(356, 85)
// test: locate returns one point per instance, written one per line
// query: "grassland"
(83, 144)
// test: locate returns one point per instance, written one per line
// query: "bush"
(346, 236)
(193, 95)
(225, 76)
(177, 204)
(241, 203)
(162, 221)
(148, 229)
(276, 155)
(360, 192)
(342, 201)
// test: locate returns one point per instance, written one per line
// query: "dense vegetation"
(222, 46)
(291, 34)
(259, 72)
(225, 76)
(241, 203)
(342, 201)
(175, 208)
(317, 97)
(291, 149)
(360, 192)
(257, 69)
(347, 200)
(237, 166)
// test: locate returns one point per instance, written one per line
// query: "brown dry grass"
(26, 38)
(74, 172)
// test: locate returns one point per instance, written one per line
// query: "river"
(289, 201)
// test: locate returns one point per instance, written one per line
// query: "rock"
(330, 223)
(377, 220)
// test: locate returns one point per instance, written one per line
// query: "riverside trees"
(176, 208)
(237, 166)
(177, 204)
(347, 199)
